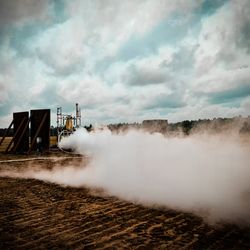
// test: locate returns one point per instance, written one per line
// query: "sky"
(125, 61)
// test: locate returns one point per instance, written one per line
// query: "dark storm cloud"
(6, 108)
(48, 95)
(230, 95)
(231, 36)
(19, 11)
(210, 6)
(183, 60)
(168, 101)
(160, 35)
(242, 25)
(139, 76)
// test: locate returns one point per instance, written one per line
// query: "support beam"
(21, 136)
(14, 137)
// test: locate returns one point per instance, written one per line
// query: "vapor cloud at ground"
(206, 175)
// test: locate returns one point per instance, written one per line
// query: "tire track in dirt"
(34, 214)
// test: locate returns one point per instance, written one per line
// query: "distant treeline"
(216, 125)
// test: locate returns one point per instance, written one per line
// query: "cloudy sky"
(125, 60)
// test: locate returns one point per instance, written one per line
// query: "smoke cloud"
(206, 175)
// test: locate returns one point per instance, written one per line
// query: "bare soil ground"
(39, 215)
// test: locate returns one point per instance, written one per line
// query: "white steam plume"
(206, 175)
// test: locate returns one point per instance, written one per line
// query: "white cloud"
(122, 20)
(7, 73)
(62, 46)
(221, 80)
(21, 80)
(222, 58)
(97, 29)
(220, 36)
(90, 90)
(111, 102)
(78, 60)
(142, 71)
(204, 111)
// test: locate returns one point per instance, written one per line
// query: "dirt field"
(39, 215)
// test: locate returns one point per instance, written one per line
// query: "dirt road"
(38, 215)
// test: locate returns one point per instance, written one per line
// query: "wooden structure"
(21, 132)
(39, 121)
(40, 127)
